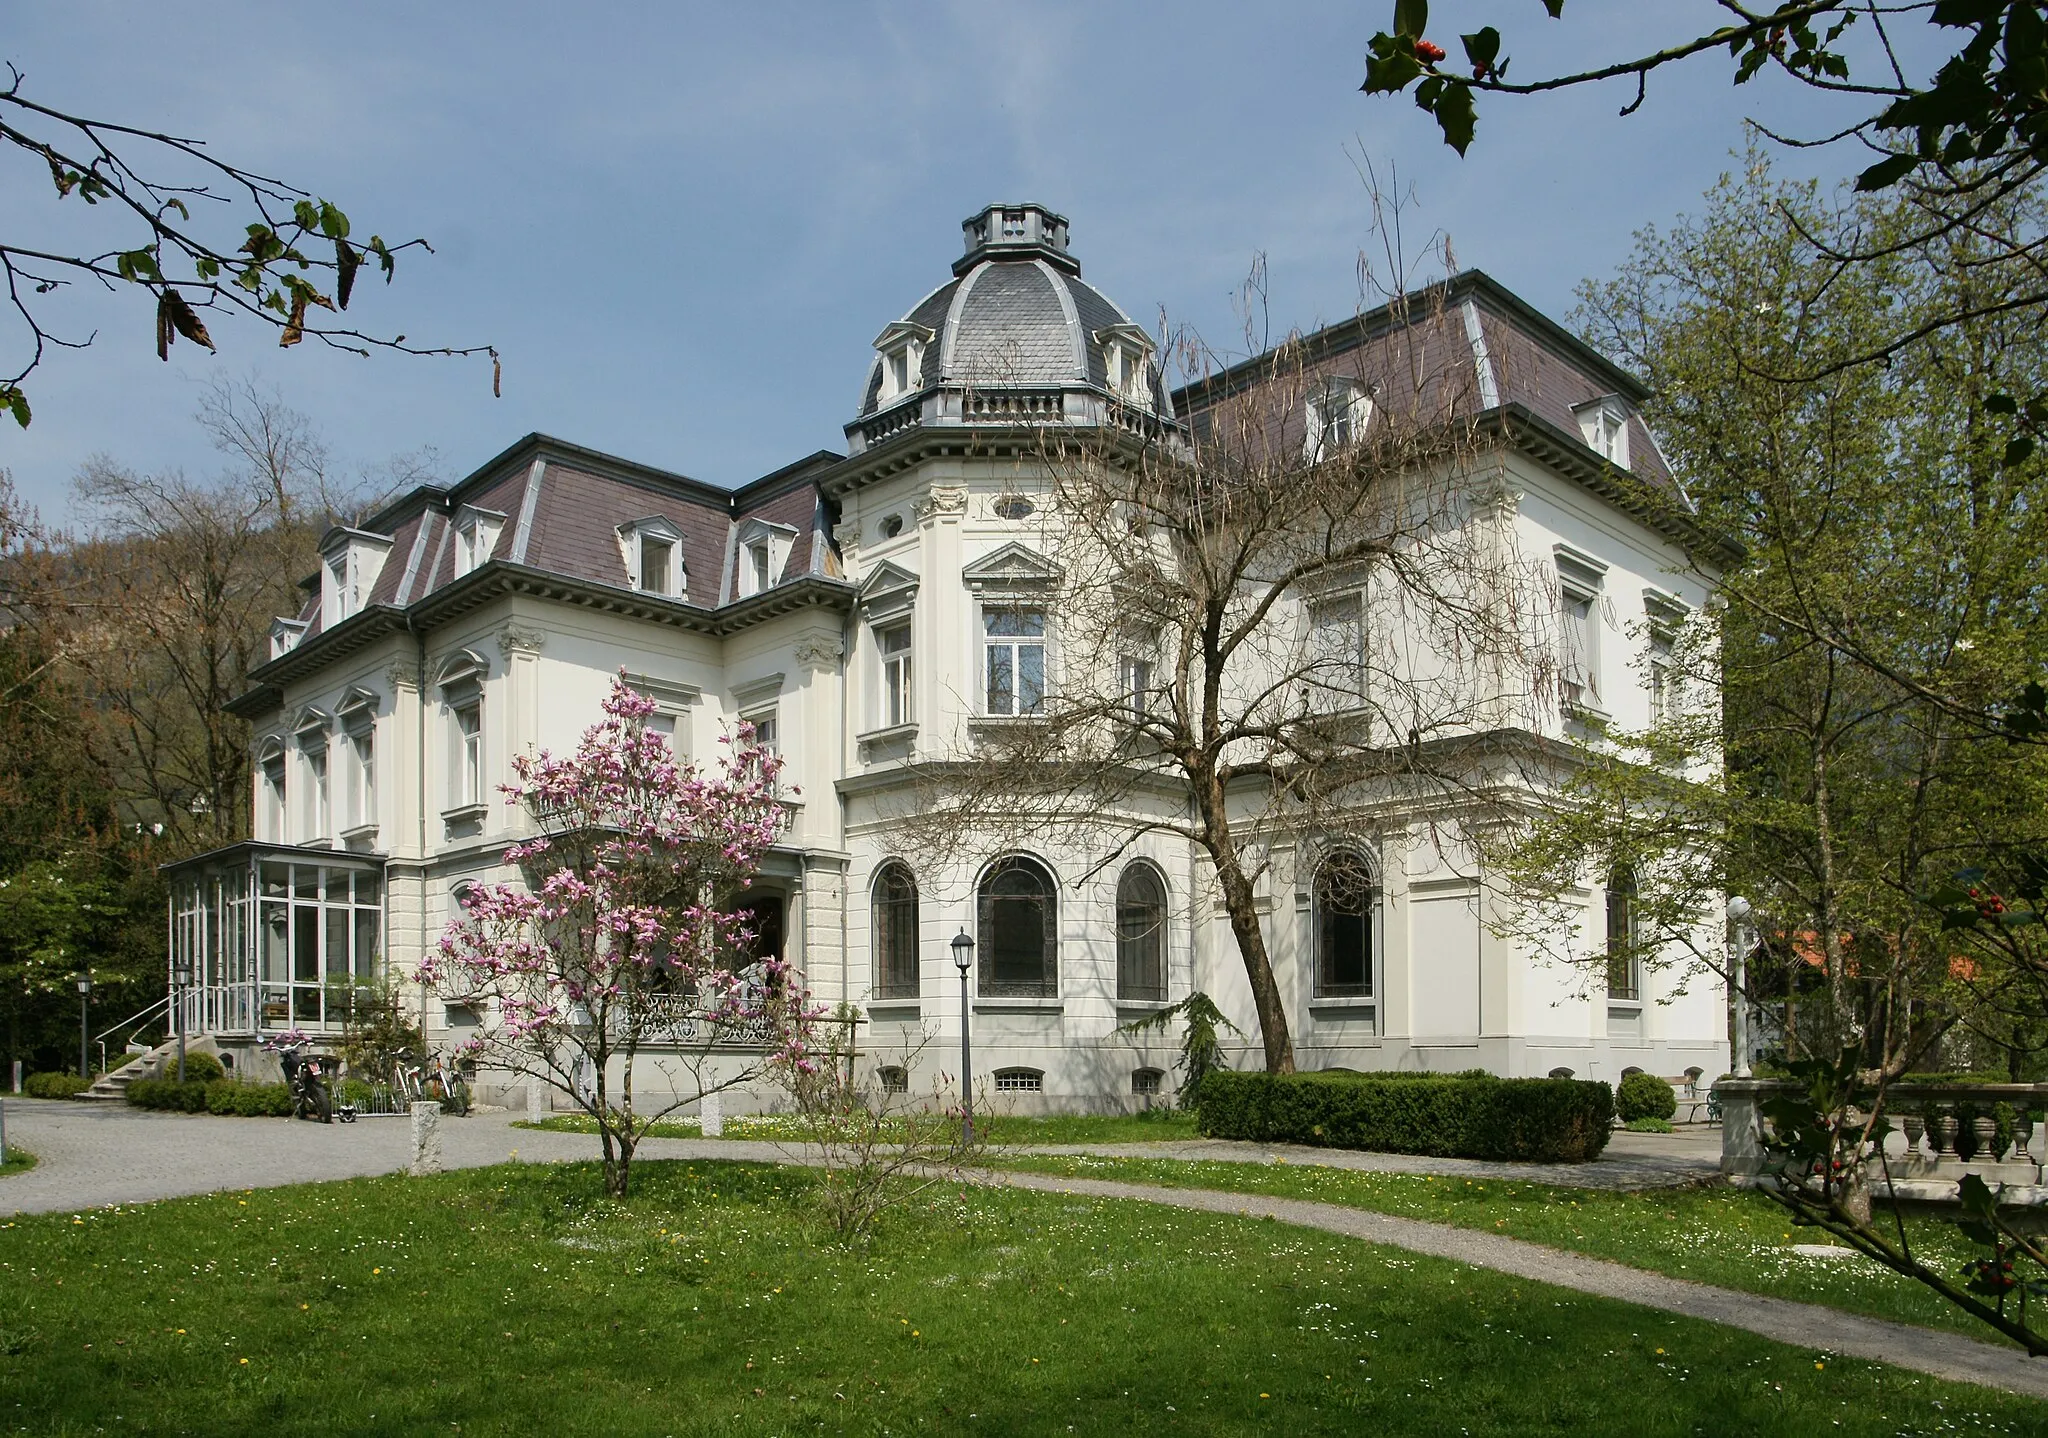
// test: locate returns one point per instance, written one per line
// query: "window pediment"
(358, 708)
(889, 589)
(1014, 567)
(463, 668)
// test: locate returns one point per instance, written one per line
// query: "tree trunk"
(1240, 903)
(618, 1169)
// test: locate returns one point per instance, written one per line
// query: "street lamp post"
(84, 1026)
(1738, 971)
(963, 960)
(181, 977)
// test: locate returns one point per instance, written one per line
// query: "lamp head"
(963, 951)
(85, 983)
(181, 972)
(1738, 908)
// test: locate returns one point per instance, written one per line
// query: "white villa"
(863, 610)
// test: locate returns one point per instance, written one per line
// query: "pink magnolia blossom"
(625, 933)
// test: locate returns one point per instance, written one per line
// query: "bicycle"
(447, 1085)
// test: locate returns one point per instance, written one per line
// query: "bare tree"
(1290, 625)
(161, 601)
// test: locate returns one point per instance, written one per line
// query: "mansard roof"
(1513, 354)
(564, 504)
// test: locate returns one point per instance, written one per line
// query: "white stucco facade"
(788, 602)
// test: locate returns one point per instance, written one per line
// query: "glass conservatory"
(275, 937)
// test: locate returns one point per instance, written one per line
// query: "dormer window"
(764, 550)
(1603, 424)
(1127, 362)
(285, 635)
(653, 551)
(1337, 414)
(476, 535)
(350, 561)
(901, 347)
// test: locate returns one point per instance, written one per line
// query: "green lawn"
(1724, 1236)
(515, 1300)
(1155, 1126)
(19, 1160)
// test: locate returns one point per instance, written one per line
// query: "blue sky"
(683, 224)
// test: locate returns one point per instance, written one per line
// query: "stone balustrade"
(1939, 1133)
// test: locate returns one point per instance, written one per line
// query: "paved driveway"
(95, 1154)
(89, 1155)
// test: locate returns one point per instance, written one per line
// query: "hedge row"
(54, 1085)
(1449, 1116)
(222, 1096)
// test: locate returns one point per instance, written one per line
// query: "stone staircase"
(112, 1087)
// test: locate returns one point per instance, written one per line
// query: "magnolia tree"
(621, 952)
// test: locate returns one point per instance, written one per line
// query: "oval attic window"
(1014, 506)
(892, 526)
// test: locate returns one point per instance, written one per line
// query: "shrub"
(54, 1085)
(168, 1095)
(1650, 1125)
(1448, 1115)
(220, 1096)
(1644, 1096)
(199, 1068)
(249, 1100)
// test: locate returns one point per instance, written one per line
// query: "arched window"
(1020, 1081)
(1347, 897)
(1019, 922)
(1141, 935)
(895, 899)
(1622, 970)
(895, 1079)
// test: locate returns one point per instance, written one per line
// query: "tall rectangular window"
(1622, 969)
(469, 751)
(1578, 610)
(757, 556)
(898, 706)
(363, 792)
(1137, 686)
(656, 557)
(767, 731)
(273, 810)
(1663, 680)
(317, 811)
(1337, 653)
(1014, 667)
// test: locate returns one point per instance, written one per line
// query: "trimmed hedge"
(221, 1096)
(54, 1085)
(1644, 1096)
(199, 1068)
(1445, 1115)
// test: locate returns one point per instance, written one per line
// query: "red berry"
(1428, 52)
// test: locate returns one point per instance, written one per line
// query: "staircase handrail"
(162, 1003)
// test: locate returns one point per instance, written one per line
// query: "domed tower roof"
(1016, 316)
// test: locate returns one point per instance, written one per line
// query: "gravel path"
(91, 1155)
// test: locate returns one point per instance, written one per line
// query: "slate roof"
(1011, 320)
(563, 505)
(1466, 347)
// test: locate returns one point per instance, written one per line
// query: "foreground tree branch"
(294, 259)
